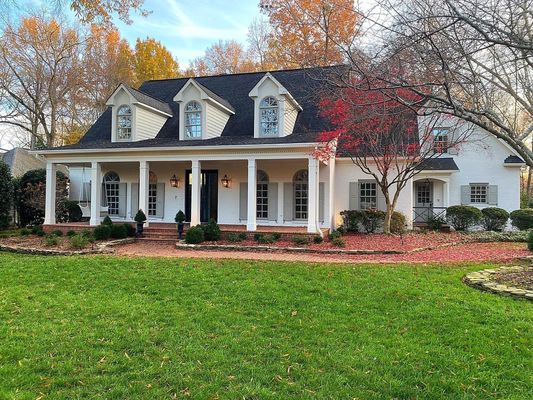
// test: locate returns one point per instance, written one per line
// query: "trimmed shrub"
(300, 240)
(51, 240)
(334, 235)
(276, 236)
(318, 239)
(102, 232)
(530, 241)
(130, 230)
(118, 231)
(194, 235)
(140, 216)
(73, 210)
(338, 242)
(435, 223)
(522, 219)
(257, 236)
(351, 220)
(57, 232)
(78, 242)
(397, 222)
(107, 221)
(505, 236)
(180, 217)
(25, 232)
(494, 218)
(37, 229)
(233, 237)
(266, 239)
(86, 233)
(372, 220)
(211, 231)
(71, 233)
(243, 235)
(463, 217)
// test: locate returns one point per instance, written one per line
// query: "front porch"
(431, 198)
(285, 194)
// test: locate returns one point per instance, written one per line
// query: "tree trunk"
(388, 218)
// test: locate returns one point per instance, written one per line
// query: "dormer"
(275, 110)
(136, 115)
(203, 114)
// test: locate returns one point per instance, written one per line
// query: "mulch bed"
(32, 244)
(36, 242)
(519, 279)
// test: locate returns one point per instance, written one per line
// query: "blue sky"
(188, 27)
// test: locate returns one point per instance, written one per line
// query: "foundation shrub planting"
(318, 239)
(242, 235)
(71, 233)
(130, 230)
(107, 221)
(118, 231)
(211, 231)
(351, 220)
(300, 240)
(78, 242)
(435, 223)
(102, 232)
(494, 218)
(232, 237)
(334, 235)
(530, 240)
(73, 210)
(522, 219)
(463, 217)
(372, 220)
(51, 240)
(338, 242)
(37, 230)
(266, 239)
(194, 235)
(397, 223)
(25, 232)
(57, 232)
(276, 235)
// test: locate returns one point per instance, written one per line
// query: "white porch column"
(144, 179)
(50, 199)
(312, 206)
(446, 193)
(251, 222)
(331, 220)
(96, 192)
(195, 192)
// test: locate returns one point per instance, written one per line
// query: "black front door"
(208, 195)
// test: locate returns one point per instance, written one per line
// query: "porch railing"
(425, 214)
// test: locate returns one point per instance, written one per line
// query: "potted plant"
(180, 219)
(140, 218)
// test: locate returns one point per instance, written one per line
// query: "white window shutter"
(272, 201)
(354, 196)
(134, 199)
(465, 194)
(493, 195)
(288, 201)
(122, 192)
(321, 200)
(243, 201)
(160, 200)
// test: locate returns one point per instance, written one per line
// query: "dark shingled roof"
(513, 160)
(215, 96)
(302, 84)
(149, 100)
(438, 164)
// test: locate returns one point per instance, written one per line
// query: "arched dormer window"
(269, 118)
(301, 194)
(262, 195)
(193, 120)
(124, 123)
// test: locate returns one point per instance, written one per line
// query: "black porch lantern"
(174, 181)
(226, 181)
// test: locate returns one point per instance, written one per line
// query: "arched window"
(152, 194)
(124, 123)
(193, 120)
(262, 195)
(301, 194)
(112, 192)
(268, 110)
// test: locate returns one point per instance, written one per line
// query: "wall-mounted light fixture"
(175, 182)
(226, 182)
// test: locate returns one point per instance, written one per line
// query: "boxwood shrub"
(194, 235)
(522, 219)
(102, 232)
(211, 231)
(119, 231)
(463, 217)
(351, 220)
(494, 218)
(372, 220)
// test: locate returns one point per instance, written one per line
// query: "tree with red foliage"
(379, 131)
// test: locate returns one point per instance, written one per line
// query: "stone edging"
(483, 280)
(100, 248)
(236, 247)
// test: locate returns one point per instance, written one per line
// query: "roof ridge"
(247, 73)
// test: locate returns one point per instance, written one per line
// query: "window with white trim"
(301, 194)
(269, 121)
(112, 192)
(193, 120)
(440, 140)
(479, 193)
(368, 195)
(262, 195)
(124, 123)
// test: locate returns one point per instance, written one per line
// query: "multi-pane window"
(262, 195)
(152, 194)
(368, 197)
(440, 140)
(268, 109)
(423, 193)
(124, 123)
(478, 193)
(193, 120)
(301, 194)
(112, 192)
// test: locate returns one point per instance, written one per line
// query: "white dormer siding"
(214, 115)
(146, 122)
(287, 111)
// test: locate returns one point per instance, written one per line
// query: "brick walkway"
(474, 252)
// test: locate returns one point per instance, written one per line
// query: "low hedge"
(463, 217)
(522, 219)
(369, 221)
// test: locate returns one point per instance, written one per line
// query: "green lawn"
(117, 328)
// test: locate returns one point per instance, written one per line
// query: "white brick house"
(238, 148)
